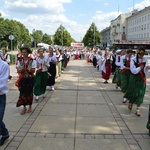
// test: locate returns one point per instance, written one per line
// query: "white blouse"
(53, 58)
(122, 66)
(133, 68)
(33, 65)
(42, 61)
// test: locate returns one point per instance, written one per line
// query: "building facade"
(105, 34)
(138, 26)
(118, 28)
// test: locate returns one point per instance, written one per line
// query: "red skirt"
(76, 56)
(106, 75)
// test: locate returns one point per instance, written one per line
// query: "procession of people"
(36, 72)
(128, 69)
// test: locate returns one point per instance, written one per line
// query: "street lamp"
(33, 41)
(94, 39)
(11, 37)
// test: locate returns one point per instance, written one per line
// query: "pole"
(94, 35)
(11, 44)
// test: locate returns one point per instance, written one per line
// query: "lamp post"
(11, 37)
(94, 36)
(33, 41)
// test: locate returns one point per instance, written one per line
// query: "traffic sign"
(11, 37)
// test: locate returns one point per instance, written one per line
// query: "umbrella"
(148, 123)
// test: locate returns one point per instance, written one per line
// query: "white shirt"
(4, 74)
(118, 60)
(33, 65)
(41, 61)
(136, 70)
(122, 66)
(6, 58)
(53, 58)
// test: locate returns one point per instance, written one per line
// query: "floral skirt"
(25, 87)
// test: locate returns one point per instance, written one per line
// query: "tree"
(62, 37)
(37, 36)
(4, 44)
(15, 28)
(47, 39)
(92, 36)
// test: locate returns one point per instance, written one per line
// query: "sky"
(75, 15)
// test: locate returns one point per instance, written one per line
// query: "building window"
(145, 27)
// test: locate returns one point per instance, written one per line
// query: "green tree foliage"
(4, 44)
(47, 39)
(62, 37)
(92, 36)
(37, 36)
(15, 28)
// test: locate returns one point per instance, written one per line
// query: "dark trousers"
(3, 129)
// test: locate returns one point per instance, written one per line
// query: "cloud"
(35, 6)
(102, 20)
(141, 5)
(106, 4)
(50, 23)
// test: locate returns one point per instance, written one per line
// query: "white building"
(138, 26)
(118, 28)
(105, 33)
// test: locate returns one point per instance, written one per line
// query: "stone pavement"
(81, 114)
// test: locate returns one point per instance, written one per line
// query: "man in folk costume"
(116, 78)
(125, 72)
(137, 81)
(106, 66)
(113, 55)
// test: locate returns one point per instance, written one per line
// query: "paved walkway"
(81, 114)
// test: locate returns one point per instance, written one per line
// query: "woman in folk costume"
(52, 59)
(125, 72)
(41, 75)
(116, 78)
(137, 82)
(99, 60)
(26, 68)
(106, 66)
(94, 58)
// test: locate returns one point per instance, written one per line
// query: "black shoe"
(10, 77)
(105, 82)
(3, 139)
